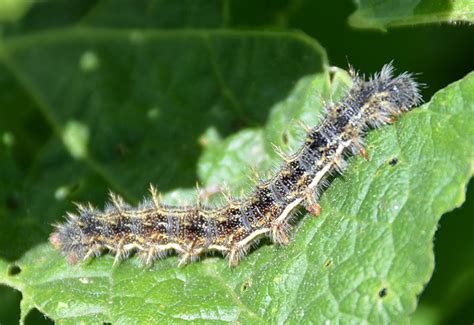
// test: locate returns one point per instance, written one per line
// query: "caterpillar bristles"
(280, 152)
(303, 125)
(153, 229)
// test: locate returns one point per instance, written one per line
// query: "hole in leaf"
(247, 284)
(285, 138)
(383, 292)
(393, 162)
(14, 270)
(10, 305)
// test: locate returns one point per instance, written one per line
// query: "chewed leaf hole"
(14, 270)
(383, 292)
(247, 284)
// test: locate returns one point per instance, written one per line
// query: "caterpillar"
(153, 229)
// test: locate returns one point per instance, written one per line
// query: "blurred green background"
(441, 53)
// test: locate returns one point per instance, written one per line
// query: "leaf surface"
(388, 13)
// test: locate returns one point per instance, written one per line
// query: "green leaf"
(12, 10)
(148, 14)
(366, 258)
(158, 14)
(452, 287)
(388, 13)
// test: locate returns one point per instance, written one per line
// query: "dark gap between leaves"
(37, 317)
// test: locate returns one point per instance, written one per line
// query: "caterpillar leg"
(311, 204)
(119, 253)
(235, 255)
(148, 256)
(185, 259)
(280, 233)
(94, 251)
(364, 153)
(190, 253)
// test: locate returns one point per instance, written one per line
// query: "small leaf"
(388, 13)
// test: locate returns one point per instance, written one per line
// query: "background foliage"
(30, 130)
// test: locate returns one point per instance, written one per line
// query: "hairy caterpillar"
(153, 229)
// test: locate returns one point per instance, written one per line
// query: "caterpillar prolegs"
(153, 229)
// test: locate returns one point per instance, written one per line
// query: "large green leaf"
(450, 294)
(366, 257)
(388, 13)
